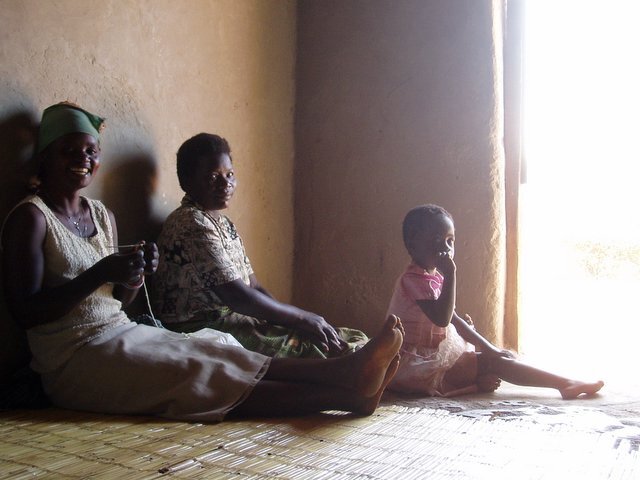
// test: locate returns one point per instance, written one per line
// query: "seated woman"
(65, 283)
(205, 278)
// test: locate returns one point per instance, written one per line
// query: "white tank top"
(66, 256)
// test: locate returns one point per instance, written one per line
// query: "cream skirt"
(137, 369)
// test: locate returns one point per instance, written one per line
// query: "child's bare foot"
(576, 388)
(488, 383)
(370, 404)
(376, 356)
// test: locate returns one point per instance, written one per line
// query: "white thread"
(146, 295)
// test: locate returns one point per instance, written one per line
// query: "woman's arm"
(127, 292)
(253, 282)
(23, 272)
(125, 295)
(253, 301)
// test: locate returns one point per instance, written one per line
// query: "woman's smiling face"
(72, 160)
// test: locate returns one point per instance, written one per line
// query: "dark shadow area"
(17, 137)
(129, 191)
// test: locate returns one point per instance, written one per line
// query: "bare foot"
(370, 404)
(488, 383)
(576, 388)
(374, 358)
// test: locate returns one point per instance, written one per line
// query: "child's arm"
(440, 311)
(469, 334)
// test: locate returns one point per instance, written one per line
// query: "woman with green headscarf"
(65, 283)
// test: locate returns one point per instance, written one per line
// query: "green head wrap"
(64, 118)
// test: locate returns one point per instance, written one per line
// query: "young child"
(438, 355)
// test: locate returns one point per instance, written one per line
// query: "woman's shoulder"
(183, 223)
(27, 216)
(188, 216)
(183, 216)
(95, 203)
(97, 206)
(31, 207)
(99, 211)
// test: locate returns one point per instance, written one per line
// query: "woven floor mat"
(397, 442)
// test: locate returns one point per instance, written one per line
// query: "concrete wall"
(397, 105)
(161, 71)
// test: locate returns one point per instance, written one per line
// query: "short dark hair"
(419, 218)
(193, 150)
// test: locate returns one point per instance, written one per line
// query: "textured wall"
(396, 106)
(161, 71)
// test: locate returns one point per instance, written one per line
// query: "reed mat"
(404, 439)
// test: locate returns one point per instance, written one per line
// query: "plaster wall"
(161, 71)
(397, 105)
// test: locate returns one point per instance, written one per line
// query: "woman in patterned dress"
(205, 278)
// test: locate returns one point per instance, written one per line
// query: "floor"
(516, 432)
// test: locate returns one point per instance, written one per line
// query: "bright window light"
(580, 236)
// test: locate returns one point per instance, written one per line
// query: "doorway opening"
(580, 224)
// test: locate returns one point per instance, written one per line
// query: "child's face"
(430, 242)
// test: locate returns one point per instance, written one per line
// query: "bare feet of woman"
(576, 388)
(370, 404)
(374, 359)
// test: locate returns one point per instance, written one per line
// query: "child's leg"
(516, 372)
(461, 375)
